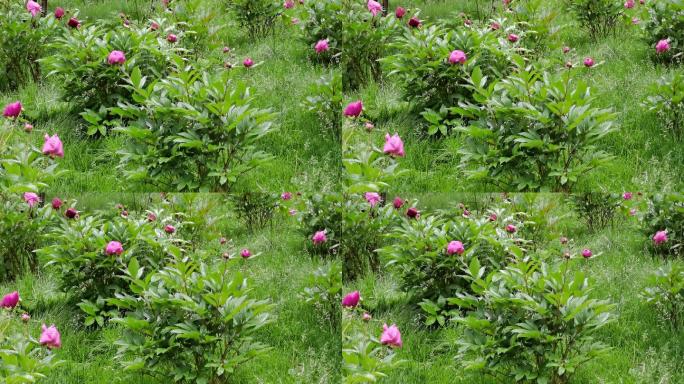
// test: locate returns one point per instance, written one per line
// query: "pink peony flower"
(154, 26)
(351, 300)
(493, 217)
(12, 110)
(171, 38)
(56, 203)
(510, 228)
(455, 247)
(248, 62)
(288, 4)
(662, 46)
(629, 4)
(586, 253)
(588, 62)
(372, 198)
(50, 337)
(74, 23)
(31, 198)
(319, 237)
(398, 202)
(374, 7)
(28, 127)
(53, 146)
(660, 237)
(71, 213)
(10, 300)
(393, 145)
(321, 46)
(286, 195)
(366, 316)
(627, 195)
(116, 57)
(414, 22)
(457, 57)
(494, 26)
(413, 213)
(399, 12)
(114, 248)
(353, 109)
(245, 253)
(25, 317)
(513, 38)
(391, 336)
(59, 13)
(33, 7)
(169, 229)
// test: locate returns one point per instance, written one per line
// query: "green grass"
(645, 348)
(646, 156)
(305, 349)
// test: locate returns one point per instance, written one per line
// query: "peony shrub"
(192, 319)
(598, 17)
(665, 30)
(530, 322)
(257, 17)
(666, 100)
(665, 293)
(191, 131)
(663, 224)
(323, 291)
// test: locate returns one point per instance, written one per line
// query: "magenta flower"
(493, 217)
(627, 195)
(10, 300)
(74, 23)
(662, 46)
(12, 110)
(288, 4)
(398, 202)
(31, 198)
(586, 253)
(372, 198)
(56, 203)
(399, 12)
(114, 248)
(59, 13)
(245, 253)
(353, 109)
(374, 7)
(169, 229)
(391, 336)
(321, 46)
(248, 62)
(457, 57)
(414, 22)
(660, 237)
(588, 62)
(513, 37)
(413, 213)
(116, 57)
(393, 145)
(629, 4)
(50, 337)
(286, 196)
(510, 228)
(455, 247)
(351, 299)
(494, 26)
(33, 7)
(53, 146)
(171, 38)
(154, 26)
(71, 213)
(319, 237)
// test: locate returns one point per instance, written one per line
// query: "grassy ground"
(304, 350)
(645, 348)
(300, 146)
(645, 155)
